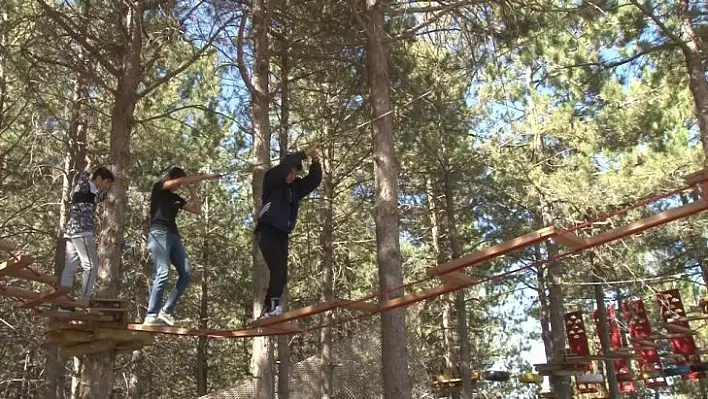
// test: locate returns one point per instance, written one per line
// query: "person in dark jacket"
(282, 192)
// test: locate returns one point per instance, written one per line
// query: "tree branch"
(59, 18)
(185, 65)
(239, 56)
(671, 35)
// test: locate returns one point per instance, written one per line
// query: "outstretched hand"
(311, 150)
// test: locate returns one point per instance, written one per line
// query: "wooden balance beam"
(298, 313)
(494, 251)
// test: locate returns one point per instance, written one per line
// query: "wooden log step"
(648, 222)
(298, 313)
(362, 306)
(678, 328)
(417, 296)
(494, 251)
(31, 275)
(46, 297)
(8, 267)
(570, 240)
(457, 278)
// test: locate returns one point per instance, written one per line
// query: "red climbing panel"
(623, 372)
(674, 314)
(578, 343)
(640, 332)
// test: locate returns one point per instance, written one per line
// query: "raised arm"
(179, 182)
(309, 183)
(277, 174)
(195, 204)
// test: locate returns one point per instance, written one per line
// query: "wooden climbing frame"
(451, 276)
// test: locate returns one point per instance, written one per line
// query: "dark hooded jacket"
(281, 201)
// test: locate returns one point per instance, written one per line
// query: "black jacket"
(281, 201)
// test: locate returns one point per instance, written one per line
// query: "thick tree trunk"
(605, 343)
(283, 340)
(327, 245)
(696, 72)
(545, 313)
(203, 342)
(450, 366)
(73, 161)
(262, 353)
(559, 384)
(397, 383)
(99, 367)
(139, 374)
(460, 308)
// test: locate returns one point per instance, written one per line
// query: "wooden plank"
(298, 313)
(46, 297)
(570, 240)
(646, 343)
(8, 267)
(7, 246)
(648, 222)
(457, 278)
(31, 275)
(362, 306)
(67, 316)
(417, 296)
(494, 251)
(679, 329)
(163, 329)
(248, 332)
(21, 293)
(697, 177)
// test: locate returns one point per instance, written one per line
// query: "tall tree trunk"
(544, 311)
(605, 343)
(397, 383)
(73, 161)
(460, 308)
(559, 384)
(203, 342)
(697, 82)
(139, 374)
(262, 353)
(327, 245)
(283, 340)
(435, 210)
(99, 367)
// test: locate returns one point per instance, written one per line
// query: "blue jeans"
(166, 248)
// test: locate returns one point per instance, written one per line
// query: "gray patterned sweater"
(84, 197)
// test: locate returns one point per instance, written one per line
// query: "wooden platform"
(84, 339)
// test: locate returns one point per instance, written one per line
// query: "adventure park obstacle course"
(100, 324)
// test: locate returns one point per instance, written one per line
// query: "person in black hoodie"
(282, 192)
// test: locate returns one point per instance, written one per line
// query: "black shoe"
(66, 309)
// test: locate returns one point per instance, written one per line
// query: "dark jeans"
(274, 247)
(166, 248)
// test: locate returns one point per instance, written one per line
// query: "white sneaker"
(151, 320)
(167, 318)
(277, 311)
